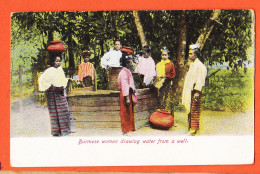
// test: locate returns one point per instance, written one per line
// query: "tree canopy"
(231, 39)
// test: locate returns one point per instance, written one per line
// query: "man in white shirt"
(112, 57)
(194, 81)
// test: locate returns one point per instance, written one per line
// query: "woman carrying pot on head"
(128, 94)
(53, 82)
(164, 82)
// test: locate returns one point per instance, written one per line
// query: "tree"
(208, 28)
(139, 28)
(230, 38)
(181, 69)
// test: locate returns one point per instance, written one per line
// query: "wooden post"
(21, 80)
(21, 84)
(35, 81)
(95, 81)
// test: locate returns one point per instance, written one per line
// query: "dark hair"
(86, 53)
(53, 58)
(197, 52)
(147, 49)
(165, 50)
(124, 60)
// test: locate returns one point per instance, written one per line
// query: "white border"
(197, 150)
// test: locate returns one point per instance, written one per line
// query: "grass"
(229, 90)
(16, 93)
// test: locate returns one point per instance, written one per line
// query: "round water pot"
(56, 46)
(161, 119)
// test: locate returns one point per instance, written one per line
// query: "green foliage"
(231, 39)
(229, 90)
(28, 90)
(161, 29)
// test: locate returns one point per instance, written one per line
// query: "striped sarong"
(59, 111)
(194, 115)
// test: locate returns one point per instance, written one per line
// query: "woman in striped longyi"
(53, 81)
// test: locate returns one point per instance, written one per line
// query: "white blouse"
(111, 59)
(195, 79)
(52, 76)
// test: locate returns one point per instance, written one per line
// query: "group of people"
(160, 76)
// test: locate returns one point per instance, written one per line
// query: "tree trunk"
(50, 37)
(208, 28)
(139, 27)
(182, 43)
(86, 44)
(114, 26)
(71, 55)
(102, 47)
(181, 69)
(103, 74)
(47, 58)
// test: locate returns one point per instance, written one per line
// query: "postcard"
(106, 90)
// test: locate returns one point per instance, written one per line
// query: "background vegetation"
(230, 42)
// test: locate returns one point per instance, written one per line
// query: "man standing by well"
(113, 56)
(111, 62)
(194, 81)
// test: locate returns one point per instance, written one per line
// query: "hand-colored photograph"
(132, 75)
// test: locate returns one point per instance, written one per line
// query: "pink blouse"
(126, 81)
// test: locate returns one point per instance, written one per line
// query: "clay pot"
(161, 119)
(127, 50)
(56, 46)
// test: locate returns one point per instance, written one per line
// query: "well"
(101, 108)
(113, 78)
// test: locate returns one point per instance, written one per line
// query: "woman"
(164, 82)
(86, 73)
(146, 67)
(128, 95)
(53, 81)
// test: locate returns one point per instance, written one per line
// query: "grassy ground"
(229, 90)
(33, 120)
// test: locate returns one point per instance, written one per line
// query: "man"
(194, 81)
(112, 58)
(86, 73)
(146, 66)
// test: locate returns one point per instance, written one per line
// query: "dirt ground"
(29, 119)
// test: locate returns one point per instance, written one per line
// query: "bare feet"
(192, 132)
